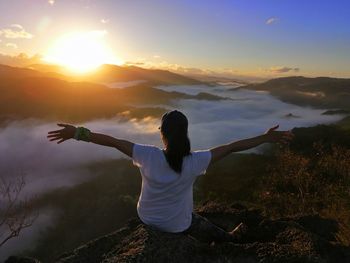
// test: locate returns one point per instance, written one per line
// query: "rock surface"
(298, 239)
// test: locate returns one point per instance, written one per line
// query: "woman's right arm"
(124, 146)
(68, 132)
(271, 136)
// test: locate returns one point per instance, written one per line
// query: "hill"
(295, 239)
(318, 92)
(29, 93)
(113, 73)
(8, 72)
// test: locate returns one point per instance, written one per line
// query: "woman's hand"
(282, 137)
(62, 135)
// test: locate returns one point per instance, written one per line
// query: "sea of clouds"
(25, 150)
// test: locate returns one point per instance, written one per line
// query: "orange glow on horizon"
(81, 52)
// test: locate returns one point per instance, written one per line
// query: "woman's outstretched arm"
(271, 136)
(68, 132)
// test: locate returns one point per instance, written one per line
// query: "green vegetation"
(318, 183)
(311, 176)
(237, 178)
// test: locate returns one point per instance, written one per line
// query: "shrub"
(304, 184)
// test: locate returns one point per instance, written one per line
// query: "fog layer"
(25, 150)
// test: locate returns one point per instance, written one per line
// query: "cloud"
(17, 26)
(43, 174)
(193, 71)
(138, 62)
(20, 60)
(51, 2)
(178, 68)
(278, 70)
(131, 63)
(156, 56)
(257, 75)
(247, 113)
(197, 72)
(11, 45)
(104, 21)
(272, 20)
(125, 84)
(24, 146)
(16, 31)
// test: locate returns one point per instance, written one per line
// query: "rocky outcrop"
(298, 239)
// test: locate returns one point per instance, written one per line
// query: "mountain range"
(26, 92)
(321, 92)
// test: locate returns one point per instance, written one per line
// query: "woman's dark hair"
(174, 128)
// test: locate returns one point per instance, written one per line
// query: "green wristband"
(82, 134)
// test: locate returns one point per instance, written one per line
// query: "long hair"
(175, 130)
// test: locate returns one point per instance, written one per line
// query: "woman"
(166, 199)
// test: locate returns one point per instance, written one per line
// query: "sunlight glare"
(82, 52)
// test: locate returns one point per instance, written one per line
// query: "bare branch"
(15, 214)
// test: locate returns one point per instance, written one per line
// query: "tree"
(15, 213)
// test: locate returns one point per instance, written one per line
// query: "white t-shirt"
(166, 199)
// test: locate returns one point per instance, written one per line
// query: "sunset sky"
(239, 37)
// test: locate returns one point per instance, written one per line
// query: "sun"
(82, 52)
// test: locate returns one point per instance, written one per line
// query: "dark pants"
(203, 230)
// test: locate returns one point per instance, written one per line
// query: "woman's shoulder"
(200, 160)
(143, 154)
(201, 152)
(146, 148)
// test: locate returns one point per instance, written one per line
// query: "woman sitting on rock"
(168, 175)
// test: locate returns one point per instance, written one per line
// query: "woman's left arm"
(271, 136)
(68, 132)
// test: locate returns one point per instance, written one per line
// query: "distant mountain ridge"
(112, 73)
(18, 72)
(320, 92)
(51, 96)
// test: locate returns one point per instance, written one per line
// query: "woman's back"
(166, 199)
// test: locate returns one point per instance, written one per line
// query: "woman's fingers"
(59, 135)
(56, 131)
(52, 135)
(63, 125)
(61, 141)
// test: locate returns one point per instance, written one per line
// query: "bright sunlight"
(82, 52)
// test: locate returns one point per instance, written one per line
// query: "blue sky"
(258, 37)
